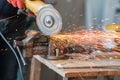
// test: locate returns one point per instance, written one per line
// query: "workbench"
(64, 69)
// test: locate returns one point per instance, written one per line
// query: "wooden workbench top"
(77, 68)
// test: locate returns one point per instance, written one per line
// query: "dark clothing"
(6, 9)
(14, 27)
(10, 28)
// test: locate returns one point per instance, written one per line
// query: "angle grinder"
(48, 19)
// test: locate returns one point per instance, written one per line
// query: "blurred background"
(87, 13)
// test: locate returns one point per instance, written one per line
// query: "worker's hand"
(17, 3)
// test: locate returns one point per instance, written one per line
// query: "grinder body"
(48, 19)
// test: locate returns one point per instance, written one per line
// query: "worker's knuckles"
(9, 1)
(20, 4)
(13, 2)
(17, 3)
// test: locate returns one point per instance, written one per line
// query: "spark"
(88, 39)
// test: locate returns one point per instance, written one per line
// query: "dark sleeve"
(6, 9)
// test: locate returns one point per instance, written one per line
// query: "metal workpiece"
(20, 53)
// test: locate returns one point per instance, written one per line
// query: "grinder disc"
(49, 20)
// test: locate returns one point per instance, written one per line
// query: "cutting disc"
(49, 20)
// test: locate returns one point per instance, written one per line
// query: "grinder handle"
(34, 5)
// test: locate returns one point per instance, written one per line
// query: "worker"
(11, 26)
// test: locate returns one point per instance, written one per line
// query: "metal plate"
(49, 20)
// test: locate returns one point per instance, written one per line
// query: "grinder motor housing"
(48, 19)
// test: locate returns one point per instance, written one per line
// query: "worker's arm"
(18, 3)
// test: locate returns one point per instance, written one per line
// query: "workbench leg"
(35, 69)
(64, 78)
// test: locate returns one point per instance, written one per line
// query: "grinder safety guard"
(48, 19)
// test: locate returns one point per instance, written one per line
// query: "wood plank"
(86, 64)
(49, 65)
(91, 72)
(90, 61)
(80, 72)
(35, 69)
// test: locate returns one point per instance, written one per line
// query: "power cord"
(20, 67)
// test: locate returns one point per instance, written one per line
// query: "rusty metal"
(57, 46)
(34, 44)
